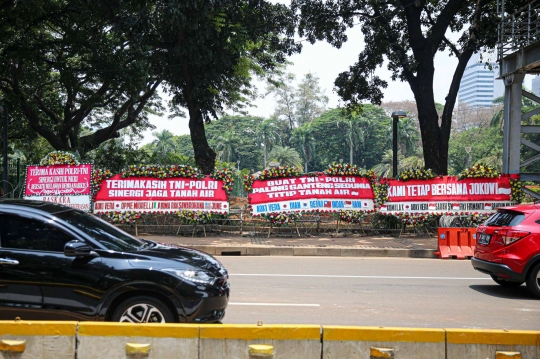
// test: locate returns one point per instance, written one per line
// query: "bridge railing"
(519, 29)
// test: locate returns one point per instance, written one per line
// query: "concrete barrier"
(233, 341)
(482, 344)
(90, 340)
(126, 340)
(37, 340)
(369, 342)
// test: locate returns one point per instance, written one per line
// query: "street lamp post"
(4, 112)
(396, 115)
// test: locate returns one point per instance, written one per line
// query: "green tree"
(305, 143)
(63, 69)
(247, 149)
(116, 155)
(406, 34)
(209, 52)
(386, 168)
(484, 143)
(163, 144)
(284, 92)
(286, 156)
(408, 136)
(226, 143)
(369, 142)
(415, 160)
(267, 134)
(66, 65)
(184, 146)
(353, 133)
(310, 99)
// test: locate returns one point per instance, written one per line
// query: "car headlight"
(195, 276)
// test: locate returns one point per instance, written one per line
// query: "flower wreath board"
(146, 193)
(449, 194)
(320, 192)
(60, 178)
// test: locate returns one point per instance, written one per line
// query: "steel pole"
(18, 170)
(5, 151)
(394, 147)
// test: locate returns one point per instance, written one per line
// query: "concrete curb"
(89, 340)
(262, 250)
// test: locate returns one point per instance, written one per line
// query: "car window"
(106, 234)
(505, 218)
(25, 233)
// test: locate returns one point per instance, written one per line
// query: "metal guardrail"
(519, 29)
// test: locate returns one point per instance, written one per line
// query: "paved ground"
(352, 246)
(403, 292)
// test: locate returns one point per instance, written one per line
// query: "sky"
(327, 62)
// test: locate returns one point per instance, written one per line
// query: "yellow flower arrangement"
(479, 170)
(59, 158)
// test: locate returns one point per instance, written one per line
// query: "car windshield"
(106, 234)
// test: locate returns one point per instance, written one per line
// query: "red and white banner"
(308, 193)
(448, 194)
(65, 184)
(148, 194)
(58, 180)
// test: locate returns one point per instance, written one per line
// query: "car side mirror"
(78, 249)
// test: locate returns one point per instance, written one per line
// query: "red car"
(508, 247)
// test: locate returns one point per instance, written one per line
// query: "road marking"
(353, 276)
(277, 304)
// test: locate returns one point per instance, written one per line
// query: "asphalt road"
(426, 293)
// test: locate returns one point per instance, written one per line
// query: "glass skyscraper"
(479, 86)
(536, 85)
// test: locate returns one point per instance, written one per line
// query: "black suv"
(58, 263)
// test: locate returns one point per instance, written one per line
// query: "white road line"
(277, 304)
(353, 276)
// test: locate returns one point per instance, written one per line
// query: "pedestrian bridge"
(519, 54)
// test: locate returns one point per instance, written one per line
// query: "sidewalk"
(352, 246)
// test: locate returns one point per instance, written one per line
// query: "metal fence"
(240, 222)
(518, 29)
(15, 183)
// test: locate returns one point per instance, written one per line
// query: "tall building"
(536, 85)
(479, 85)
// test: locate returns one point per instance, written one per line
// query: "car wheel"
(143, 310)
(533, 281)
(506, 283)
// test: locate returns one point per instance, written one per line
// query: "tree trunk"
(351, 148)
(434, 139)
(205, 157)
(436, 132)
(434, 142)
(265, 155)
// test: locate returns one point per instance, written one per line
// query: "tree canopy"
(406, 34)
(68, 75)
(210, 50)
(330, 132)
(69, 66)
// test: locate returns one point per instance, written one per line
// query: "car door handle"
(9, 262)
